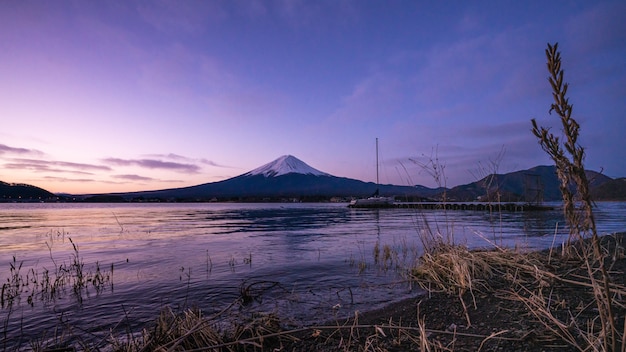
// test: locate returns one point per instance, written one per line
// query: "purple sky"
(106, 96)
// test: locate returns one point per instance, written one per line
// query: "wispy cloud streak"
(12, 150)
(154, 164)
(181, 158)
(53, 166)
(72, 180)
(133, 177)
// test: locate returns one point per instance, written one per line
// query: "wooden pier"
(476, 206)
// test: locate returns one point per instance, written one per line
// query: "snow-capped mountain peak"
(286, 164)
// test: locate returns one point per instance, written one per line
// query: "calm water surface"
(307, 262)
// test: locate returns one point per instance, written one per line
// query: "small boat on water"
(375, 200)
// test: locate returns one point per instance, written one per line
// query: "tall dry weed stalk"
(488, 176)
(568, 157)
(441, 233)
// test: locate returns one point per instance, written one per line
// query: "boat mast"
(376, 160)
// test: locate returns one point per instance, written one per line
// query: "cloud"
(54, 166)
(172, 156)
(67, 179)
(213, 163)
(12, 150)
(133, 177)
(154, 164)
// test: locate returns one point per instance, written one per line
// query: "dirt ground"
(496, 321)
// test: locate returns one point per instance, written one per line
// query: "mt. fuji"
(284, 178)
(284, 165)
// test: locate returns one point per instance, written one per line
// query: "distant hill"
(610, 190)
(535, 184)
(18, 192)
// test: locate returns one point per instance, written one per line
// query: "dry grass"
(455, 269)
(190, 332)
(529, 278)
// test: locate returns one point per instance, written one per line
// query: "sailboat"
(375, 200)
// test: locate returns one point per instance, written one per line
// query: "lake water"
(305, 262)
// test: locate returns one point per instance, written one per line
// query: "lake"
(307, 262)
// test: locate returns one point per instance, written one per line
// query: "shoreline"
(496, 321)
